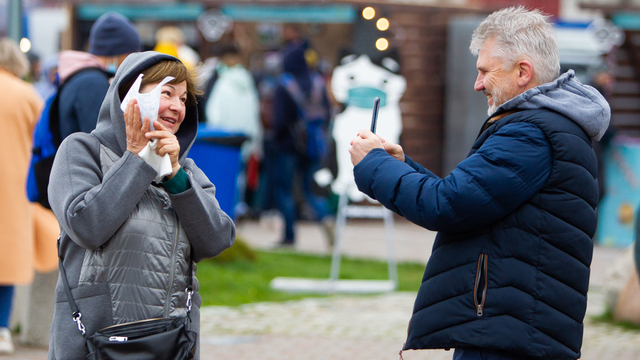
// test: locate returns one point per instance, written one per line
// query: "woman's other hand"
(167, 144)
(136, 130)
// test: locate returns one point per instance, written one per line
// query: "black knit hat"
(113, 34)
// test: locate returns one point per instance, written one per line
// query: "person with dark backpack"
(300, 128)
(46, 140)
(113, 37)
(83, 80)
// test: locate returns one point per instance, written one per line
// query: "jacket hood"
(293, 60)
(110, 129)
(294, 63)
(70, 61)
(568, 96)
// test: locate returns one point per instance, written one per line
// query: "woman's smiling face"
(172, 108)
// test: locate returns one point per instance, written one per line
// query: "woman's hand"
(167, 144)
(136, 140)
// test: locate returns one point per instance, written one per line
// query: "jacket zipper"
(173, 266)
(479, 296)
(111, 327)
(405, 343)
(481, 280)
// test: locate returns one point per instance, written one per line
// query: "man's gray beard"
(498, 95)
(492, 109)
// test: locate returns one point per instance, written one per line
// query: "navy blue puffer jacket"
(509, 271)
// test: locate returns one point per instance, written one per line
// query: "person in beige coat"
(28, 232)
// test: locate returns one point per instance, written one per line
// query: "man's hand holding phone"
(368, 140)
(363, 144)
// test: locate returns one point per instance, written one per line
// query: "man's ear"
(525, 73)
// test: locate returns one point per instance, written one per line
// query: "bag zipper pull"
(118, 338)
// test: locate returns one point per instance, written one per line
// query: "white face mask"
(149, 103)
(112, 66)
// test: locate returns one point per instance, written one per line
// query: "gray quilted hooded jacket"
(125, 242)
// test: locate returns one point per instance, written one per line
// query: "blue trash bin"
(217, 153)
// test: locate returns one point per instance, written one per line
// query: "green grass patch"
(246, 280)
(607, 318)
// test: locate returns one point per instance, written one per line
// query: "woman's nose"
(176, 104)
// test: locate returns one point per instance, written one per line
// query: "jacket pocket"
(94, 303)
(481, 283)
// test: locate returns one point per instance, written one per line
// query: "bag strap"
(189, 289)
(54, 110)
(75, 312)
(291, 86)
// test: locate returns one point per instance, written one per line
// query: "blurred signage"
(334, 14)
(213, 24)
(618, 208)
(169, 11)
(269, 35)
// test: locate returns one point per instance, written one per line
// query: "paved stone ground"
(359, 327)
(365, 327)
(352, 327)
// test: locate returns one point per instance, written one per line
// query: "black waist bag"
(152, 339)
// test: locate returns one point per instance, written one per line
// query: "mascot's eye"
(352, 77)
(385, 81)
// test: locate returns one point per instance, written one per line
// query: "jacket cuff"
(177, 184)
(364, 173)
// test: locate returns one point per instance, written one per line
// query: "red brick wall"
(422, 56)
(423, 61)
(551, 7)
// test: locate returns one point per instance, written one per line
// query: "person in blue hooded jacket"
(112, 38)
(297, 81)
(509, 272)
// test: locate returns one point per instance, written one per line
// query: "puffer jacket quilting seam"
(103, 262)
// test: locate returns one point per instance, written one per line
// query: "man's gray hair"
(521, 34)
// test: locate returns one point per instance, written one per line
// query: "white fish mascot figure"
(355, 83)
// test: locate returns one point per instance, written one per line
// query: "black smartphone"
(376, 109)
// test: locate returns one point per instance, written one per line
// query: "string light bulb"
(382, 24)
(25, 45)
(368, 13)
(382, 44)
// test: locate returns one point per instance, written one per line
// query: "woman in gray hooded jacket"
(127, 241)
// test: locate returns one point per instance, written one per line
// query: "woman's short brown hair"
(159, 71)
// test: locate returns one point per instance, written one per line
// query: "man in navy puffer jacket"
(509, 272)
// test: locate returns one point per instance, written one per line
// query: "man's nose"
(479, 85)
